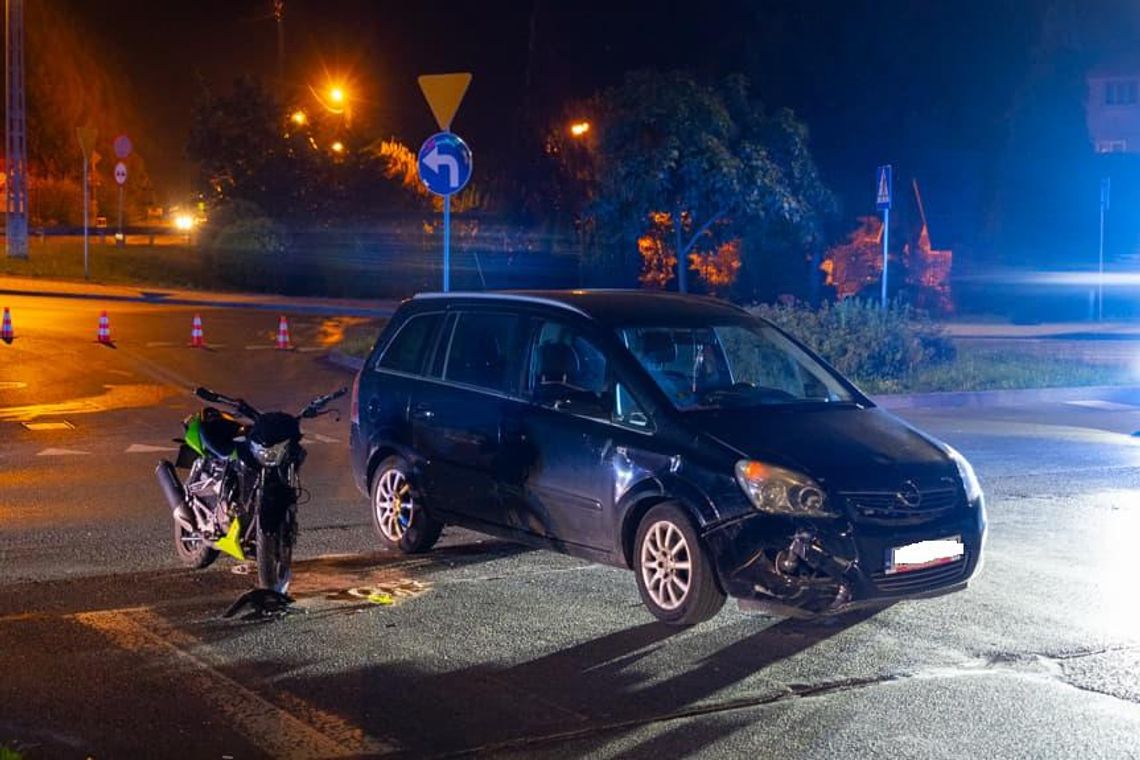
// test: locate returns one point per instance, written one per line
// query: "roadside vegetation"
(6, 753)
(903, 351)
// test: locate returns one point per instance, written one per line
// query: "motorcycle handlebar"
(217, 398)
(320, 402)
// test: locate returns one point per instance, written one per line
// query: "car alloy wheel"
(666, 565)
(394, 505)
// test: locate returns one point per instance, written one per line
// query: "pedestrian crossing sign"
(883, 194)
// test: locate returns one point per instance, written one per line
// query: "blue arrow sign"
(883, 188)
(445, 163)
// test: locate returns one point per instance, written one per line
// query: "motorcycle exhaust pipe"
(175, 494)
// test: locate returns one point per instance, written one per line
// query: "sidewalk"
(1046, 330)
(32, 286)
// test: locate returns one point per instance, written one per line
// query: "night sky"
(929, 86)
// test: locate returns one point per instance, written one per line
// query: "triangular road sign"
(883, 194)
(444, 93)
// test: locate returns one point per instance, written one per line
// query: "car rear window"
(407, 351)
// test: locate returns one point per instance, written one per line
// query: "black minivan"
(675, 435)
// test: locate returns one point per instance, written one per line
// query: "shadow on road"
(590, 693)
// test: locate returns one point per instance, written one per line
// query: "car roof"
(611, 307)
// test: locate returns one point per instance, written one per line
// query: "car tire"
(674, 576)
(398, 513)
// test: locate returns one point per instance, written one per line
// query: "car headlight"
(966, 472)
(774, 489)
(269, 456)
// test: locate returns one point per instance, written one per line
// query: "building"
(1113, 108)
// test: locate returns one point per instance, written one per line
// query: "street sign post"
(445, 160)
(445, 168)
(1105, 191)
(883, 202)
(121, 179)
(87, 136)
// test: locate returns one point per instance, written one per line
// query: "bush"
(880, 350)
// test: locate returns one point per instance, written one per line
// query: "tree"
(702, 164)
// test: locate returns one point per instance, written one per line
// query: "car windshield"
(732, 365)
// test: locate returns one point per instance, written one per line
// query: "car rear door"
(456, 416)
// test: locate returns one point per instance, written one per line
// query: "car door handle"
(423, 413)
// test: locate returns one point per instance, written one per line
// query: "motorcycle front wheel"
(274, 559)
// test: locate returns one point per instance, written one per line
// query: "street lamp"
(337, 147)
(299, 117)
(579, 128)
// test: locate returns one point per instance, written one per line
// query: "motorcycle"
(241, 493)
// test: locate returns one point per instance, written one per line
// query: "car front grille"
(917, 581)
(887, 506)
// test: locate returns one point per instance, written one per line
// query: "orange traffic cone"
(283, 343)
(197, 339)
(104, 334)
(6, 328)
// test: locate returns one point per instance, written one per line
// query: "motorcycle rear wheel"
(192, 550)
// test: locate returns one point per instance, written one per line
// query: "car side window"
(407, 351)
(485, 351)
(627, 411)
(568, 371)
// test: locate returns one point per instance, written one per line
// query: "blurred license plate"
(924, 554)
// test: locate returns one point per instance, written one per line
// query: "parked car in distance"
(674, 435)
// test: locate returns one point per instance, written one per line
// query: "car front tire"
(674, 576)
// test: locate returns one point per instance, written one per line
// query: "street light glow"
(299, 118)
(184, 222)
(579, 128)
(336, 95)
(337, 147)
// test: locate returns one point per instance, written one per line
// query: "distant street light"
(336, 95)
(337, 147)
(184, 222)
(299, 118)
(579, 128)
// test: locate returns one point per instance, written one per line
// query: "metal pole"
(446, 243)
(120, 240)
(86, 204)
(886, 243)
(1100, 270)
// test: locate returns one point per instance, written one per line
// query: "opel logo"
(908, 494)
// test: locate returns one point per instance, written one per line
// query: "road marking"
(322, 438)
(11, 385)
(61, 453)
(259, 348)
(142, 448)
(304, 730)
(39, 427)
(1107, 406)
(160, 344)
(310, 349)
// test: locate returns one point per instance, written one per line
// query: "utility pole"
(16, 132)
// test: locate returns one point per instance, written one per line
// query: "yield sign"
(444, 92)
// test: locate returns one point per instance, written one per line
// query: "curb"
(1128, 394)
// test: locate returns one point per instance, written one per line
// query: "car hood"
(846, 447)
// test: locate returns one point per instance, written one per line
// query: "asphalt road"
(108, 649)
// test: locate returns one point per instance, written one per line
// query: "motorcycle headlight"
(966, 472)
(269, 456)
(774, 489)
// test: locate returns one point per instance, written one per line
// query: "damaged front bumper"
(801, 568)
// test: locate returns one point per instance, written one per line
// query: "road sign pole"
(886, 245)
(120, 241)
(446, 243)
(86, 205)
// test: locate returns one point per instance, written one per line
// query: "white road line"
(1107, 406)
(310, 349)
(259, 348)
(160, 344)
(61, 453)
(142, 448)
(302, 731)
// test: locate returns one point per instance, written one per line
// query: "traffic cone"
(6, 328)
(197, 339)
(283, 343)
(104, 334)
